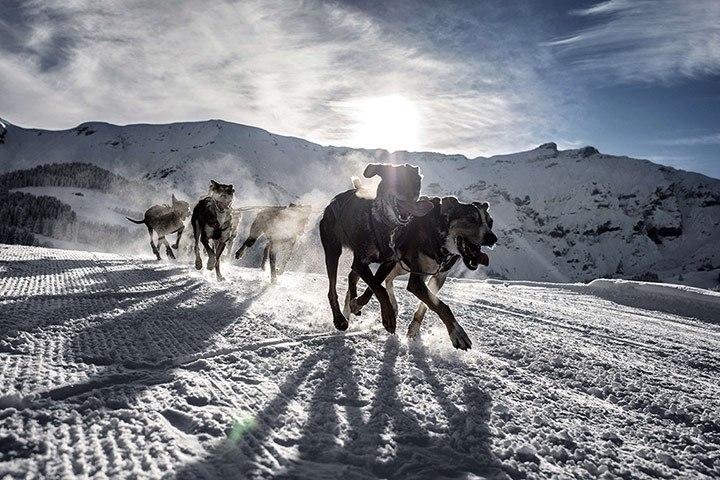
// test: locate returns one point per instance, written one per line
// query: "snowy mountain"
(115, 366)
(572, 215)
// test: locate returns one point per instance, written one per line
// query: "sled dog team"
(397, 229)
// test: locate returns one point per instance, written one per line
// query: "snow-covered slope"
(117, 367)
(572, 215)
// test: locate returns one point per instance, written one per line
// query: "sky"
(630, 77)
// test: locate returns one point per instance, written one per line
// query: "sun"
(391, 122)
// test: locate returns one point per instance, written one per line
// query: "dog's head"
(469, 229)
(181, 207)
(399, 190)
(221, 194)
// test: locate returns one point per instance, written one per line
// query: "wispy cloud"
(645, 40)
(285, 66)
(713, 139)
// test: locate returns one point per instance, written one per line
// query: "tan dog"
(282, 226)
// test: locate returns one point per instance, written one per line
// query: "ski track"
(122, 367)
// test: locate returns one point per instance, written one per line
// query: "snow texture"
(114, 366)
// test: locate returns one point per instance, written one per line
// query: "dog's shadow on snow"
(367, 426)
(130, 326)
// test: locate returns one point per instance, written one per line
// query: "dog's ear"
(374, 169)
(482, 205)
(174, 200)
(213, 184)
(448, 205)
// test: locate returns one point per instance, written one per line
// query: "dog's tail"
(357, 184)
(136, 221)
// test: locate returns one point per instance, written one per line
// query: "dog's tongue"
(416, 209)
(484, 259)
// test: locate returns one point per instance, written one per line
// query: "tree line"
(23, 215)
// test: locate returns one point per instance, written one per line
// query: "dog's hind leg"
(416, 285)
(375, 283)
(152, 244)
(333, 250)
(434, 285)
(265, 256)
(163, 241)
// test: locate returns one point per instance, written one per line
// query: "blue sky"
(630, 77)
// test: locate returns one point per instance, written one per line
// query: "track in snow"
(115, 366)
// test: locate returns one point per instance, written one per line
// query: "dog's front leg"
(351, 295)
(387, 271)
(219, 248)
(375, 283)
(434, 285)
(179, 236)
(196, 234)
(209, 250)
(416, 285)
(272, 256)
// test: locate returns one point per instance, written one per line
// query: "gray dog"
(165, 220)
(375, 229)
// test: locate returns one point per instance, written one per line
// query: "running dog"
(375, 229)
(165, 220)
(213, 219)
(282, 226)
(451, 231)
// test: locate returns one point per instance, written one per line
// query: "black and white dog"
(375, 229)
(450, 232)
(213, 219)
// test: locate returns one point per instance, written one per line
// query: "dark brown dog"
(451, 231)
(213, 219)
(282, 226)
(375, 229)
(165, 220)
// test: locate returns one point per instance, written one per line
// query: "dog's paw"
(341, 323)
(211, 263)
(198, 264)
(355, 309)
(390, 324)
(459, 338)
(413, 329)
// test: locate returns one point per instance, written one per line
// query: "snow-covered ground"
(124, 367)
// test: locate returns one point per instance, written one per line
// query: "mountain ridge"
(561, 215)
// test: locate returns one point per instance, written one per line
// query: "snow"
(116, 366)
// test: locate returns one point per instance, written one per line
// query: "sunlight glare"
(391, 122)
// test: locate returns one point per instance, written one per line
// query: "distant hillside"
(571, 215)
(27, 218)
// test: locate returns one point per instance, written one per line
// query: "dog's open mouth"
(471, 254)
